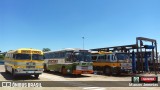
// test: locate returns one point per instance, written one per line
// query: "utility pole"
(83, 42)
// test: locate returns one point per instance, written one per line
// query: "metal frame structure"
(140, 46)
(138, 51)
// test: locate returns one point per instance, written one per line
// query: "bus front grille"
(30, 66)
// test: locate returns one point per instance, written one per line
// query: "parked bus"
(111, 63)
(24, 61)
(69, 61)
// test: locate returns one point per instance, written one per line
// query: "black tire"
(79, 75)
(36, 76)
(45, 68)
(107, 71)
(6, 71)
(13, 73)
(118, 72)
(63, 71)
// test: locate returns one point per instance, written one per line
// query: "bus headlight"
(18, 69)
(90, 67)
(90, 64)
(68, 70)
(41, 69)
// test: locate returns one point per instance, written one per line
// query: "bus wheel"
(108, 71)
(6, 71)
(63, 71)
(45, 68)
(118, 72)
(13, 73)
(79, 75)
(36, 76)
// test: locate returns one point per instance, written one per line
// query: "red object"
(148, 79)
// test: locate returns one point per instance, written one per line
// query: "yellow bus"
(111, 62)
(24, 61)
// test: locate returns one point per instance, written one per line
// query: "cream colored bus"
(24, 61)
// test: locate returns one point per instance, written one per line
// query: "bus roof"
(66, 49)
(19, 50)
(11, 51)
(28, 49)
(102, 52)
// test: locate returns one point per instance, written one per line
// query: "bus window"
(107, 57)
(68, 57)
(51, 55)
(62, 54)
(122, 56)
(94, 58)
(37, 57)
(102, 58)
(112, 57)
(23, 56)
(46, 56)
(14, 56)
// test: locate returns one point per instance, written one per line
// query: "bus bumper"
(82, 71)
(118, 70)
(126, 70)
(27, 72)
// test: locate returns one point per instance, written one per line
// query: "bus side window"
(107, 58)
(113, 58)
(6, 55)
(14, 56)
(9, 56)
(110, 56)
(94, 58)
(44, 57)
(68, 57)
(101, 58)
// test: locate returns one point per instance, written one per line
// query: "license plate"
(85, 72)
(30, 71)
(126, 65)
(30, 66)
(84, 68)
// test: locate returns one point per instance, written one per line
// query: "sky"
(59, 24)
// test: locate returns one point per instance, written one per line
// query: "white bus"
(69, 61)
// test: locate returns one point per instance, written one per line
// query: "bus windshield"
(37, 57)
(82, 56)
(28, 56)
(22, 56)
(122, 56)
